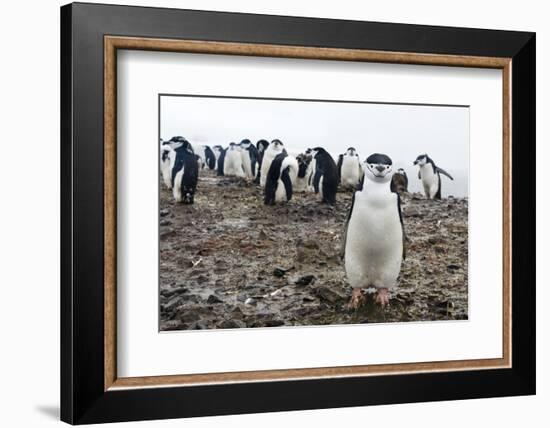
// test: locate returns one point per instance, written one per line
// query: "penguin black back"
(221, 161)
(210, 157)
(272, 179)
(325, 169)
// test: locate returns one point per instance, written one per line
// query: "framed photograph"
(266, 213)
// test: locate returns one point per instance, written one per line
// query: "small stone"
(278, 272)
(274, 323)
(232, 323)
(305, 280)
(165, 222)
(213, 299)
(327, 294)
(164, 212)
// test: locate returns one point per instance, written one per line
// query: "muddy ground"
(228, 261)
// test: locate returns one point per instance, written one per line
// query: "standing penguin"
(210, 157)
(220, 161)
(249, 154)
(184, 172)
(349, 169)
(325, 175)
(305, 171)
(280, 178)
(374, 238)
(167, 156)
(275, 147)
(399, 181)
(261, 147)
(429, 173)
(233, 165)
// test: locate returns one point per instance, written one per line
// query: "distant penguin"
(275, 147)
(429, 173)
(261, 147)
(220, 163)
(280, 178)
(233, 164)
(217, 150)
(305, 171)
(374, 238)
(209, 156)
(349, 169)
(249, 154)
(184, 171)
(399, 181)
(325, 175)
(167, 156)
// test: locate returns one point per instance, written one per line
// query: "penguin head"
(378, 168)
(421, 160)
(351, 151)
(234, 146)
(401, 171)
(245, 144)
(261, 145)
(179, 144)
(276, 145)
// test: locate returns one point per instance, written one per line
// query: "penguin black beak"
(380, 168)
(415, 162)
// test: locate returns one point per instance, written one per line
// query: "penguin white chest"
(374, 242)
(246, 163)
(351, 172)
(430, 180)
(233, 163)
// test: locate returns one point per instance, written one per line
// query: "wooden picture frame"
(91, 390)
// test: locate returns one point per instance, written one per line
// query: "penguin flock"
(374, 238)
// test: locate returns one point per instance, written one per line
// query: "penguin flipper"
(419, 175)
(340, 161)
(287, 182)
(442, 171)
(404, 236)
(346, 224)
(317, 179)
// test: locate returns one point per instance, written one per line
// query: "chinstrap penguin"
(280, 178)
(399, 181)
(429, 173)
(275, 147)
(305, 171)
(184, 171)
(374, 237)
(233, 165)
(249, 154)
(349, 169)
(325, 175)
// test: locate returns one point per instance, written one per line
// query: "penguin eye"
(372, 165)
(387, 167)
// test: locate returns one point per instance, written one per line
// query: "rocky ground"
(228, 261)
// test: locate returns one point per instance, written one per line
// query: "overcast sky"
(399, 131)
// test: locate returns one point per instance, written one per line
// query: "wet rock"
(164, 212)
(327, 294)
(274, 323)
(172, 304)
(165, 222)
(278, 272)
(232, 323)
(212, 299)
(305, 280)
(198, 325)
(189, 316)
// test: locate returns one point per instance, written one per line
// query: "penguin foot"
(357, 299)
(382, 297)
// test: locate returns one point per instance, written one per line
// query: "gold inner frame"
(113, 43)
